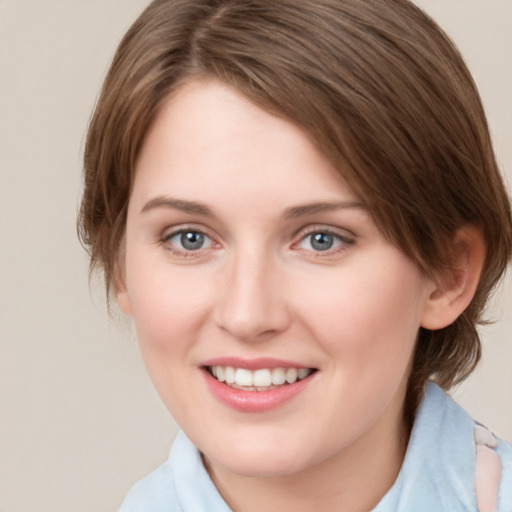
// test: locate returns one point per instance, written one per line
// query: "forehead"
(208, 139)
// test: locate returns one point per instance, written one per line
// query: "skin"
(258, 288)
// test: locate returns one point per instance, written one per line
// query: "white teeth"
(243, 377)
(260, 380)
(230, 374)
(303, 373)
(291, 375)
(263, 378)
(278, 376)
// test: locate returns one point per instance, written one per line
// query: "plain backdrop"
(80, 422)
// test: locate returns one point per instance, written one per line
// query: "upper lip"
(253, 364)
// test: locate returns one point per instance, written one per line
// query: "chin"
(259, 466)
(262, 458)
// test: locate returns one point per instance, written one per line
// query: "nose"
(252, 304)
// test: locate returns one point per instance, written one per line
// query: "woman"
(298, 204)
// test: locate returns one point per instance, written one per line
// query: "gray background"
(79, 420)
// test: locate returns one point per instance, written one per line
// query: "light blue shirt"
(438, 473)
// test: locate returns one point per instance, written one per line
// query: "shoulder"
(504, 451)
(154, 493)
(181, 484)
(439, 469)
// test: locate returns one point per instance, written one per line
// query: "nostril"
(250, 305)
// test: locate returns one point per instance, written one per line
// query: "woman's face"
(248, 260)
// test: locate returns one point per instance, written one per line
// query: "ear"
(123, 300)
(120, 290)
(456, 286)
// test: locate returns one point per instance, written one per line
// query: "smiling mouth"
(264, 379)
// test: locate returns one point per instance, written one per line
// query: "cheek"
(168, 315)
(167, 318)
(368, 317)
(168, 305)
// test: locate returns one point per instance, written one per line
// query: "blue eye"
(323, 241)
(190, 240)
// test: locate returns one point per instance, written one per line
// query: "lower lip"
(255, 401)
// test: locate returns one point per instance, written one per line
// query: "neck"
(355, 479)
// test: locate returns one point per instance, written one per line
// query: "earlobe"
(121, 292)
(123, 300)
(457, 285)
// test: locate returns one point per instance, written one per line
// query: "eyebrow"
(178, 204)
(320, 207)
(289, 213)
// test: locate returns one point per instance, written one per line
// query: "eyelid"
(343, 233)
(346, 237)
(170, 230)
(173, 231)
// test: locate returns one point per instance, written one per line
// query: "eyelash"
(341, 242)
(166, 240)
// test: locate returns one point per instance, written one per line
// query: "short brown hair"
(380, 88)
